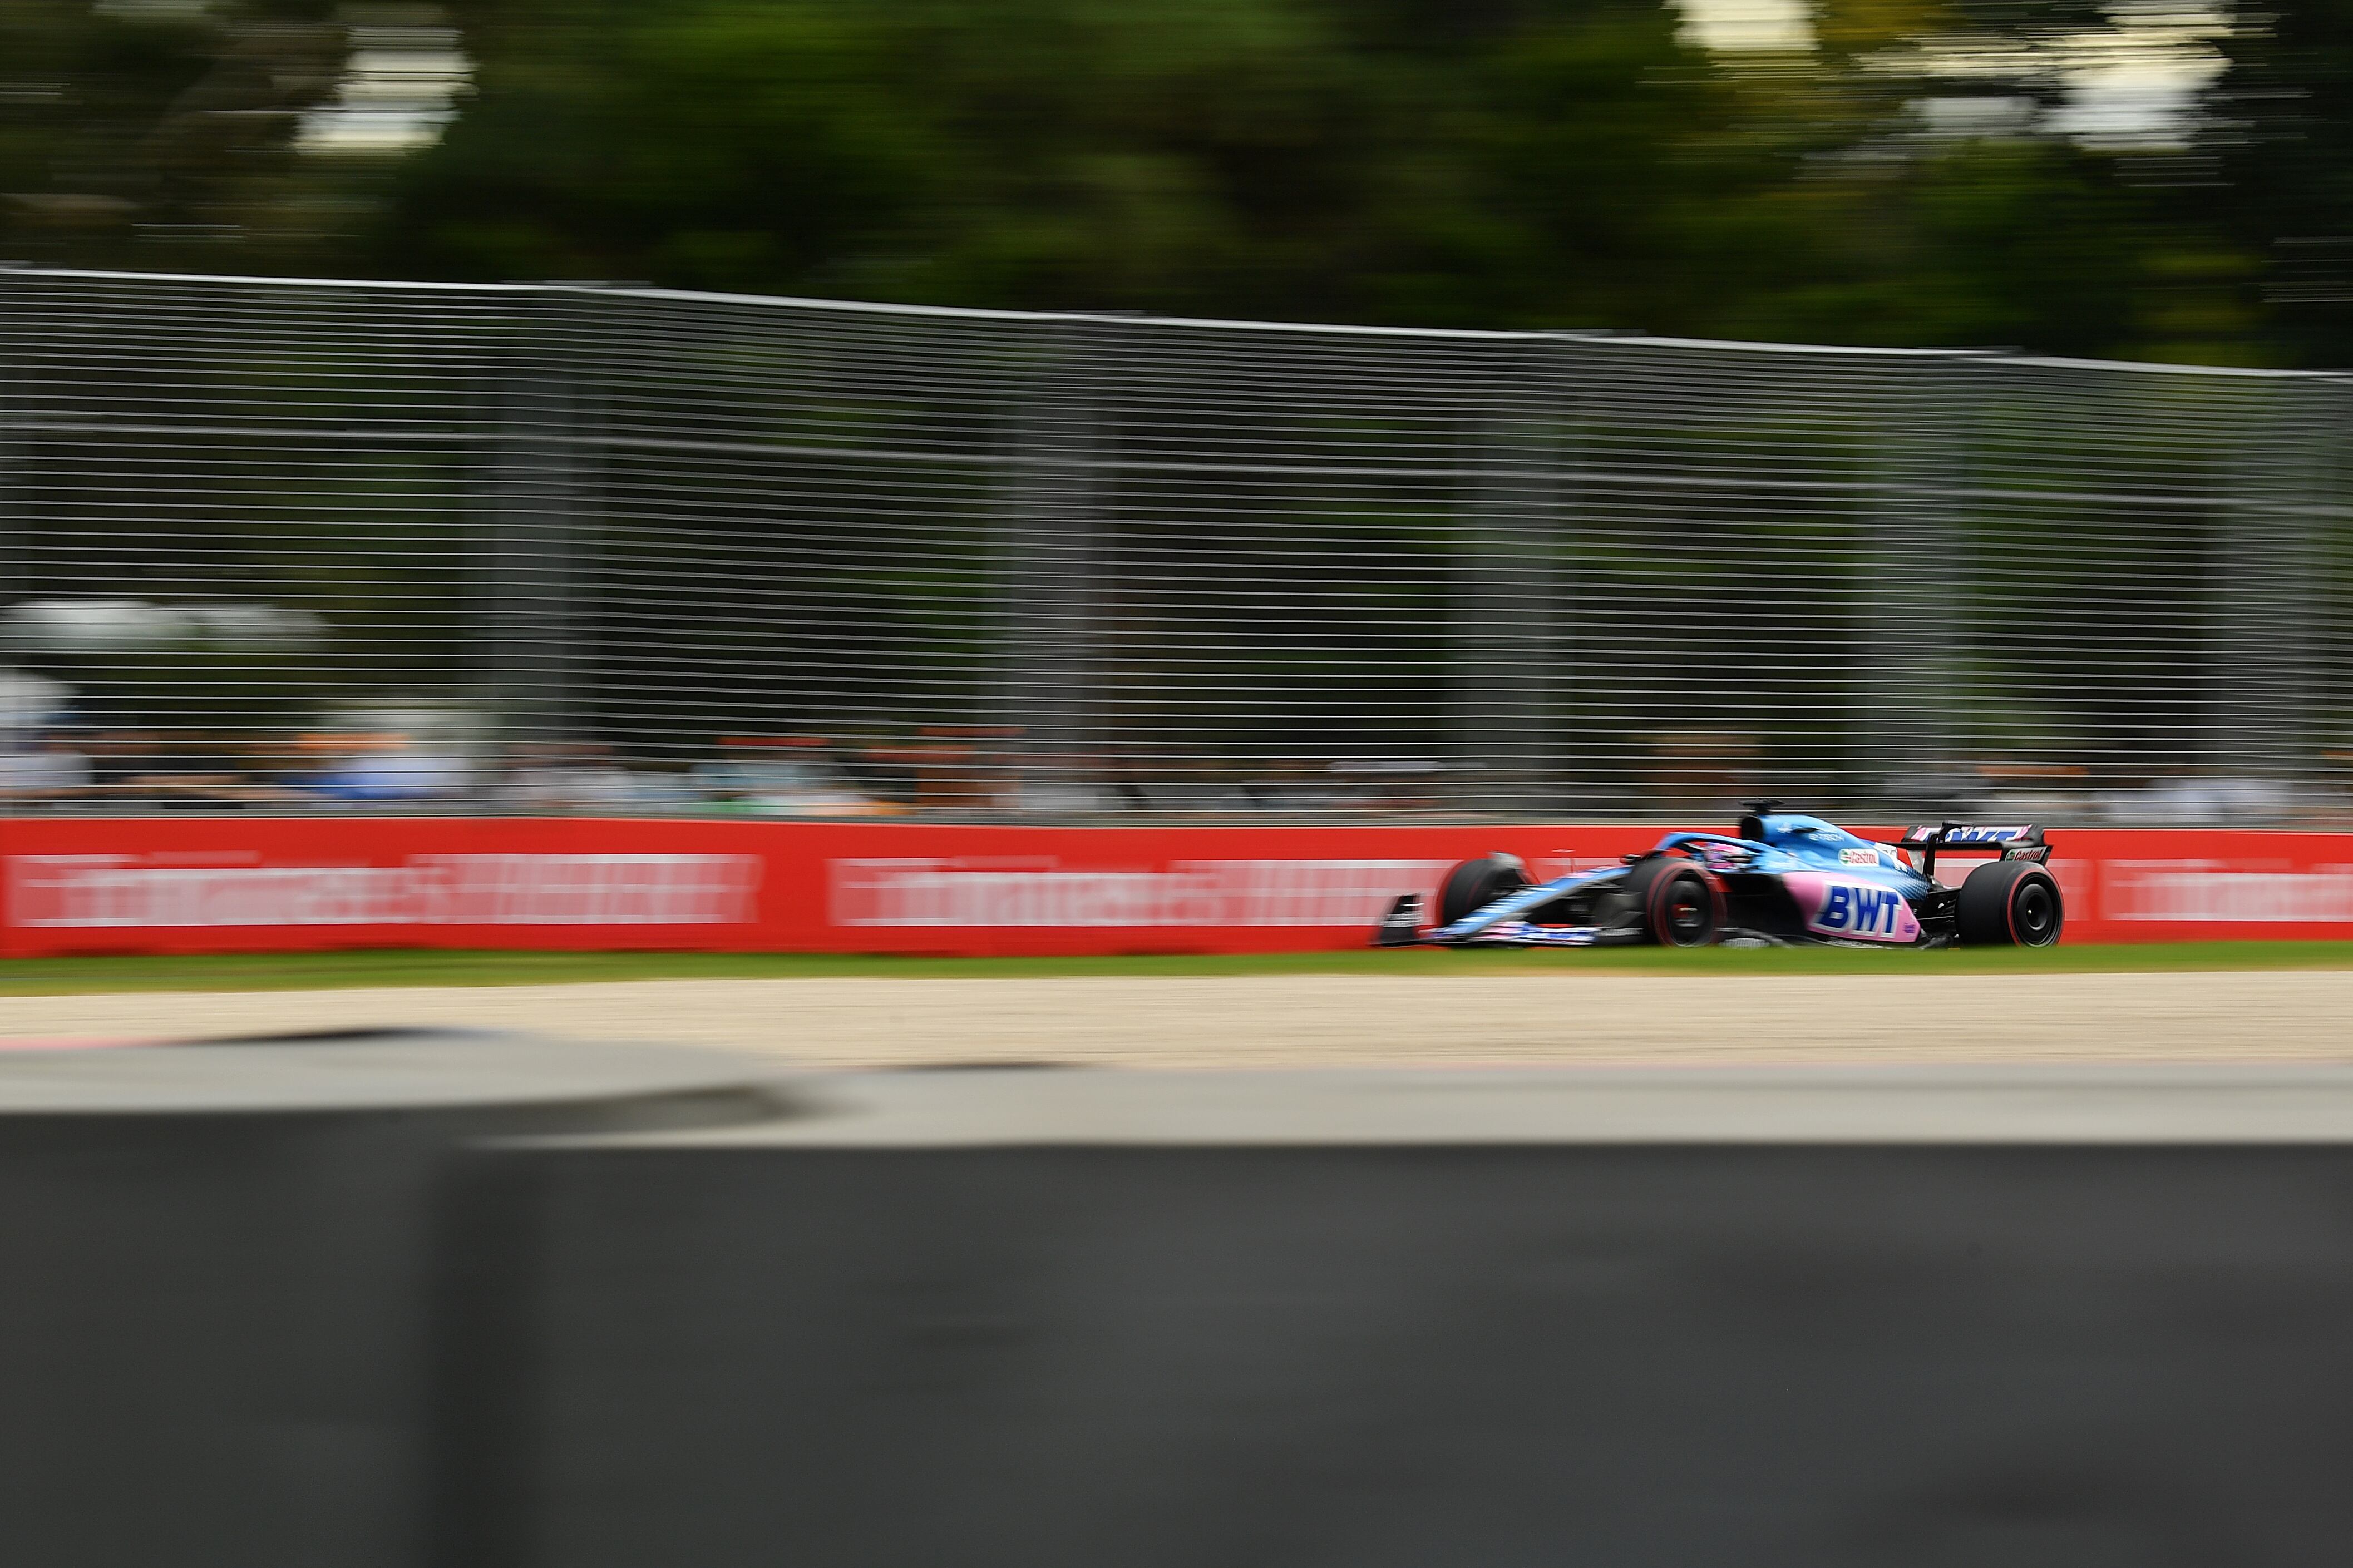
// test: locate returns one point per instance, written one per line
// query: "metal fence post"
(1051, 504)
(1502, 583)
(2265, 559)
(2329, 587)
(1912, 580)
(16, 414)
(528, 554)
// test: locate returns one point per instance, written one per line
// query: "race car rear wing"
(2022, 842)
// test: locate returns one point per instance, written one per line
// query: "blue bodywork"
(1787, 843)
(1795, 843)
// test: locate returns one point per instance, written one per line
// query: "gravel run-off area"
(1305, 1020)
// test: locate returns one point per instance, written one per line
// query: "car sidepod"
(1852, 907)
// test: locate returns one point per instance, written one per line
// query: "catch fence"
(274, 544)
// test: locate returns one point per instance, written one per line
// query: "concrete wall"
(466, 1303)
(218, 1270)
(1081, 1320)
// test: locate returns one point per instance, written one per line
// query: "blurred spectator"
(2189, 799)
(1126, 773)
(1392, 786)
(128, 761)
(1293, 785)
(575, 776)
(52, 770)
(130, 768)
(1192, 785)
(30, 704)
(784, 775)
(888, 773)
(402, 749)
(1063, 787)
(362, 767)
(968, 768)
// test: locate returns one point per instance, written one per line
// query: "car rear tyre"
(1475, 884)
(2010, 903)
(1677, 903)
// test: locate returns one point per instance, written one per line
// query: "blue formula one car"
(1783, 878)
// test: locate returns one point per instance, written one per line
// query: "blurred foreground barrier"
(275, 884)
(456, 1301)
(1068, 1320)
(218, 1310)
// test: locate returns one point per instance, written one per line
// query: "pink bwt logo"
(1864, 911)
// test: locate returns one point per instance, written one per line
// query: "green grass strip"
(333, 971)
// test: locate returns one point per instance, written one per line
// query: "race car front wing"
(1504, 923)
(1402, 927)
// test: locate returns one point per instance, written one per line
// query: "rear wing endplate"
(2022, 841)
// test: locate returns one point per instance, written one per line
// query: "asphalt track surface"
(1324, 1020)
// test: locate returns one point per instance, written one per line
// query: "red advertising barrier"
(83, 885)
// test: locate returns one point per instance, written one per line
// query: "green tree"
(2279, 132)
(159, 134)
(1530, 163)
(1264, 157)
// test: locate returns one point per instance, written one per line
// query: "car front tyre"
(1475, 884)
(1679, 904)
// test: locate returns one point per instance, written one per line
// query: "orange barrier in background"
(226, 884)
